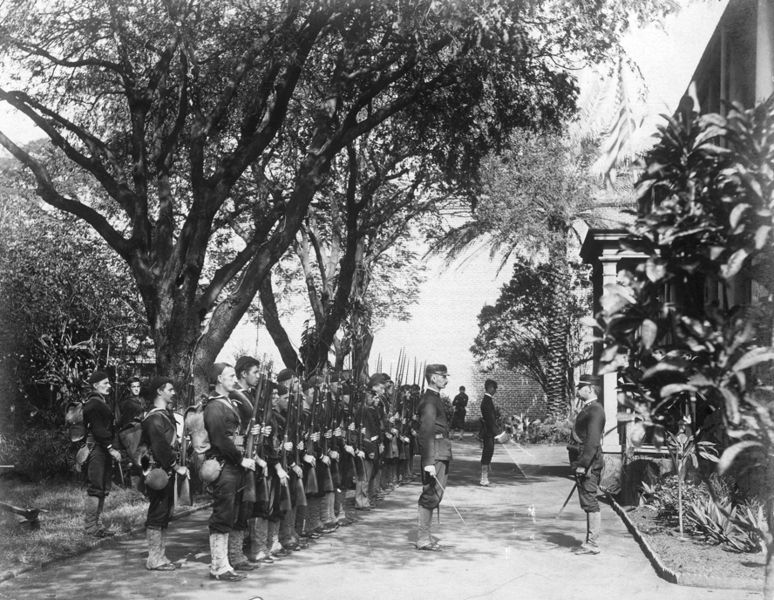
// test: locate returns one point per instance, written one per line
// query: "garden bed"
(693, 562)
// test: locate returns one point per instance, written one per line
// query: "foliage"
(706, 201)
(665, 497)
(514, 332)
(68, 302)
(715, 521)
(190, 120)
(531, 195)
(550, 431)
(37, 453)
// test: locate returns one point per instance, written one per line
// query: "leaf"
(734, 264)
(661, 367)
(648, 333)
(655, 269)
(752, 358)
(676, 388)
(590, 322)
(730, 454)
(736, 214)
(609, 353)
(761, 236)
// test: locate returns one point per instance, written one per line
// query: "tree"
(67, 304)
(179, 113)
(705, 222)
(514, 332)
(532, 195)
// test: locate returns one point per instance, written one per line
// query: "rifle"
(298, 482)
(325, 475)
(250, 493)
(183, 484)
(310, 473)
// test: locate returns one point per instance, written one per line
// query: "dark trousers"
(488, 449)
(99, 472)
(161, 504)
(432, 493)
(224, 496)
(588, 487)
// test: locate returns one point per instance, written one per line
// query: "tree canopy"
(189, 118)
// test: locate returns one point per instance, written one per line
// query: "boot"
(484, 475)
(220, 568)
(236, 554)
(157, 560)
(258, 552)
(91, 515)
(272, 539)
(593, 527)
(424, 520)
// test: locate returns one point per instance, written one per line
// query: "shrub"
(37, 453)
(549, 431)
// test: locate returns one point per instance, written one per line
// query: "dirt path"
(501, 551)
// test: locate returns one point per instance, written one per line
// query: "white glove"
(388, 435)
(326, 460)
(281, 473)
(334, 454)
(248, 463)
(349, 449)
(338, 432)
(328, 434)
(363, 430)
(361, 454)
(381, 447)
(301, 445)
(309, 459)
(182, 471)
(287, 446)
(430, 469)
(392, 418)
(115, 454)
(394, 431)
(260, 462)
(351, 426)
(405, 439)
(315, 437)
(266, 430)
(256, 429)
(298, 471)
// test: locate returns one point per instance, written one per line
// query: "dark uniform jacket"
(488, 421)
(131, 409)
(159, 434)
(368, 417)
(98, 419)
(587, 432)
(433, 436)
(223, 424)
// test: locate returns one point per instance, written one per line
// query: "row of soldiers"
(282, 457)
(278, 458)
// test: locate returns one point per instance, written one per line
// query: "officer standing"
(223, 423)
(586, 459)
(159, 435)
(98, 420)
(435, 451)
(488, 429)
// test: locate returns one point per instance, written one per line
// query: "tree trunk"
(557, 362)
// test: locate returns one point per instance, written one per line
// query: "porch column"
(610, 442)
(764, 47)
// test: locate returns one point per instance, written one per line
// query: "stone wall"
(517, 393)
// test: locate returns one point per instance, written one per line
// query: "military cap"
(244, 363)
(98, 376)
(285, 375)
(378, 379)
(589, 380)
(282, 390)
(435, 370)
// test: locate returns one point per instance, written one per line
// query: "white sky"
(444, 322)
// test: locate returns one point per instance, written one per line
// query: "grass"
(61, 528)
